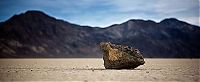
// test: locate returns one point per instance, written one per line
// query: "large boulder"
(120, 57)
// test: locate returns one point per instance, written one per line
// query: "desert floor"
(92, 69)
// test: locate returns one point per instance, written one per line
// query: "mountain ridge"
(34, 34)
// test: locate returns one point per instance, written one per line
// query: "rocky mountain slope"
(34, 34)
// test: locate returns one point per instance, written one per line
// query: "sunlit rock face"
(120, 57)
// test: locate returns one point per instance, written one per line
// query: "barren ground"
(92, 69)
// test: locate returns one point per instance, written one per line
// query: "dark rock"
(120, 57)
(34, 34)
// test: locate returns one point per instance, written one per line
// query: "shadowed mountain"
(36, 35)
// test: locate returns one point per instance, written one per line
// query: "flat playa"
(92, 69)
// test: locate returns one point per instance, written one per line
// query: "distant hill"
(36, 35)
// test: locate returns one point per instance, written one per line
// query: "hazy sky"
(105, 12)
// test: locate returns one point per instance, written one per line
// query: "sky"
(103, 13)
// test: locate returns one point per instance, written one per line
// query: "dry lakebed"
(92, 69)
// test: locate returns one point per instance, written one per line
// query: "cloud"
(133, 5)
(186, 10)
(173, 6)
(105, 12)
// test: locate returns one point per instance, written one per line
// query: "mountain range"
(34, 34)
